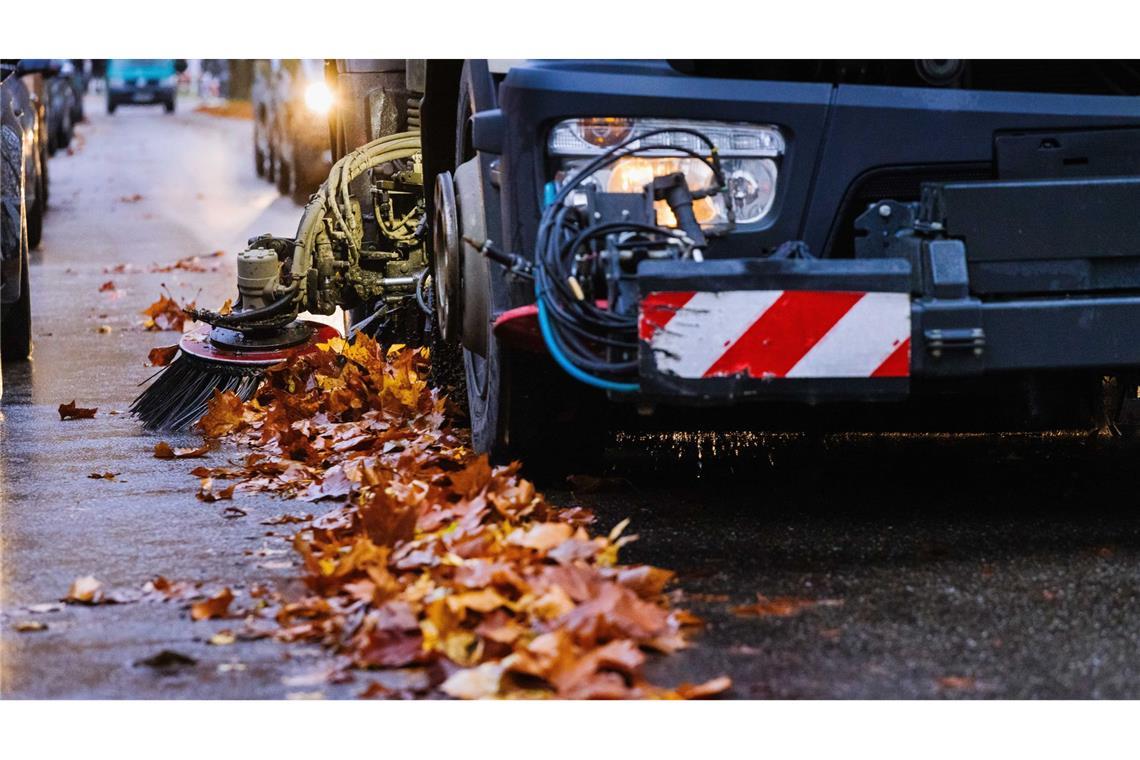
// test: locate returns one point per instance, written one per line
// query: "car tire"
(16, 332)
(36, 223)
(169, 106)
(309, 173)
(284, 179)
(111, 106)
(259, 157)
(66, 130)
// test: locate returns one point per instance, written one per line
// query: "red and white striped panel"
(778, 333)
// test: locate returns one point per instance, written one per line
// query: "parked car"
(261, 95)
(72, 70)
(143, 81)
(22, 198)
(34, 74)
(291, 135)
(62, 103)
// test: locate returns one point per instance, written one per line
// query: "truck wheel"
(169, 106)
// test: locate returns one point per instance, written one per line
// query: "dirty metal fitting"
(257, 273)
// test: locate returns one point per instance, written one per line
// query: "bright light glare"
(318, 97)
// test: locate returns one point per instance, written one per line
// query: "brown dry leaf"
(542, 536)
(162, 356)
(227, 307)
(104, 329)
(709, 688)
(287, 519)
(72, 412)
(165, 314)
(133, 198)
(163, 450)
(480, 682)
(29, 626)
(190, 264)
(781, 606)
(108, 285)
(223, 638)
(104, 475)
(214, 607)
(207, 493)
(223, 415)
(85, 590)
(957, 683)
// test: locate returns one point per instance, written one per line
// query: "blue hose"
(564, 362)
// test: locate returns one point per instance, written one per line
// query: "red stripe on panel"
(658, 308)
(784, 333)
(897, 364)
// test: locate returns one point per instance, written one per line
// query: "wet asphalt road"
(964, 567)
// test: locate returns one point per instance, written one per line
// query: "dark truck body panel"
(993, 291)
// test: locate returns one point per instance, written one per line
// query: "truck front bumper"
(815, 330)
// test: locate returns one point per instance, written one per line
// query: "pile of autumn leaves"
(434, 557)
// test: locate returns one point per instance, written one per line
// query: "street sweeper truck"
(587, 243)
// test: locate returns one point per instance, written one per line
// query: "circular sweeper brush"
(220, 359)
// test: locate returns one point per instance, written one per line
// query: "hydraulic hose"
(325, 200)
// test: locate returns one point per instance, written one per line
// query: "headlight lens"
(318, 97)
(117, 82)
(750, 156)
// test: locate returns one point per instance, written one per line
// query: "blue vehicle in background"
(143, 81)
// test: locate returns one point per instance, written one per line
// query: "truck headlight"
(318, 97)
(750, 156)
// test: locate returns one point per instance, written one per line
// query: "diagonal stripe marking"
(784, 333)
(861, 341)
(705, 327)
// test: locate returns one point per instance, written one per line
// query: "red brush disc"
(196, 342)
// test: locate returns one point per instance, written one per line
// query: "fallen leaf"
(224, 414)
(104, 475)
(162, 356)
(108, 285)
(72, 412)
(104, 329)
(167, 660)
(957, 683)
(29, 626)
(709, 688)
(165, 314)
(207, 493)
(133, 198)
(223, 638)
(214, 607)
(286, 519)
(163, 450)
(475, 683)
(85, 590)
(781, 606)
(375, 690)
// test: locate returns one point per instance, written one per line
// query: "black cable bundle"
(578, 332)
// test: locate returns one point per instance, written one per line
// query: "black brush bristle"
(180, 393)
